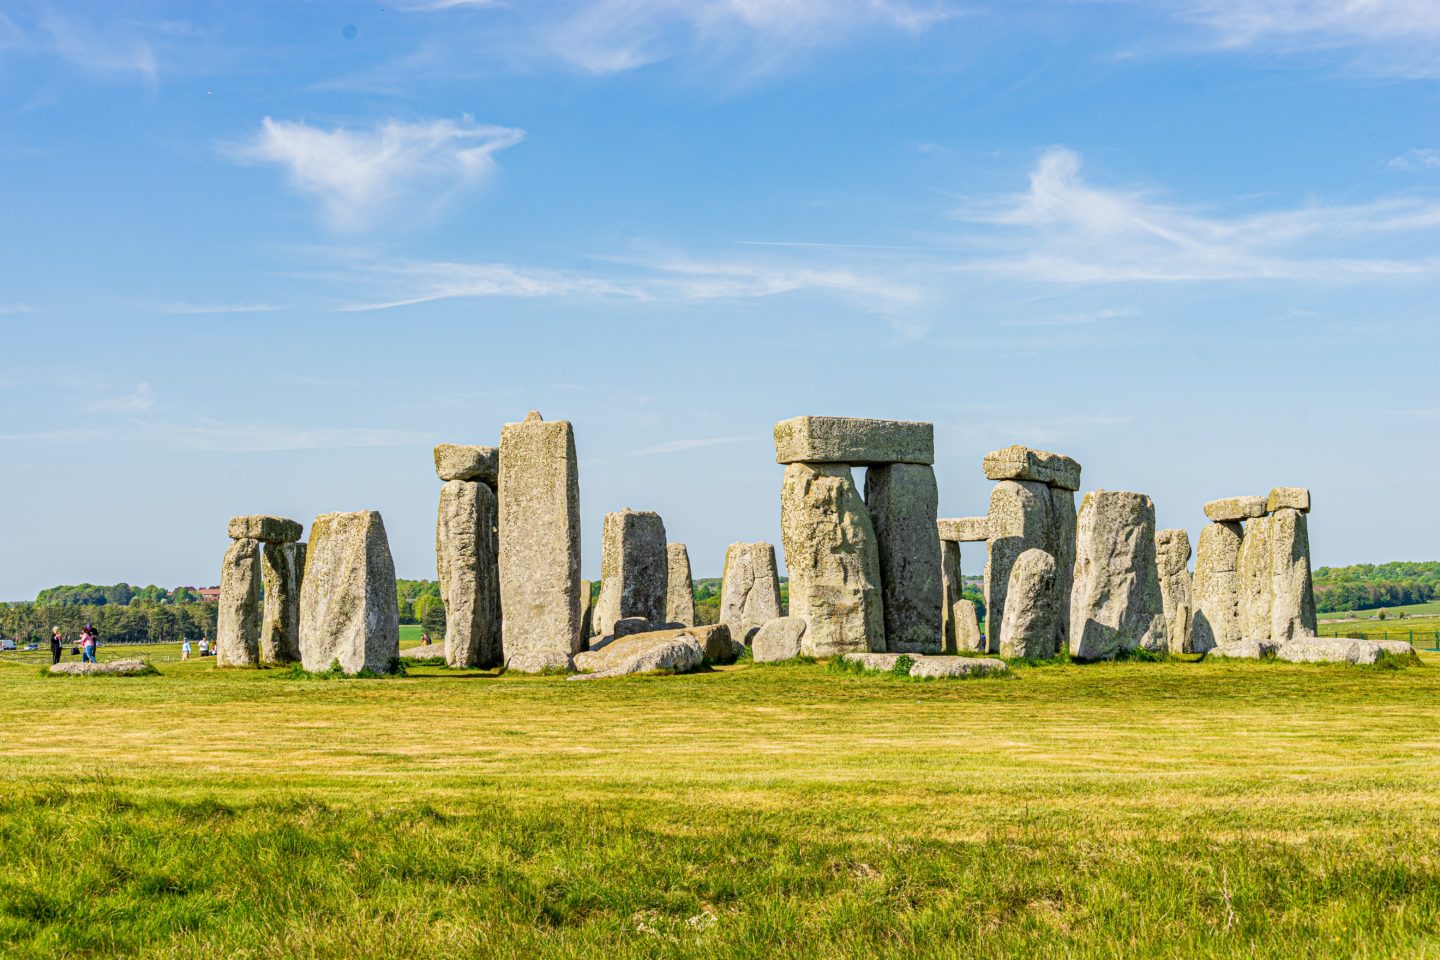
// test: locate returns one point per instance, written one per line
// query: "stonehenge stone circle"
(1235, 508)
(903, 499)
(282, 568)
(237, 628)
(855, 441)
(1061, 546)
(1172, 557)
(539, 491)
(670, 651)
(1116, 605)
(967, 628)
(1256, 580)
(1030, 627)
(1292, 595)
(264, 528)
(1019, 520)
(779, 639)
(749, 589)
(466, 557)
(587, 611)
(964, 529)
(1215, 589)
(454, 461)
(952, 586)
(1293, 498)
(832, 560)
(929, 668)
(119, 668)
(680, 594)
(1022, 463)
(634, 571)
(348, 609)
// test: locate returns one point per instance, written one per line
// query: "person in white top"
(185, 649)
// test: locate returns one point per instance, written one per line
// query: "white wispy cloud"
(1064, 228)
(200, 309)
(1420, 158)
(361, 176)
(679, 446)
(15, 309)
(97, 43)
(138, 400)
(228, 436)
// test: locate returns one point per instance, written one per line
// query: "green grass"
(1412, 610)
(1422, 631)
(1175, 809)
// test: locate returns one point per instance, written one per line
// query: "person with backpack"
(57, 643)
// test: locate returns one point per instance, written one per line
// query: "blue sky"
(261, 257)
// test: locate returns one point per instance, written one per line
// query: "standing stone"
(780, 639)
(903, 501)
(1256, 580)
(587, 611)
(1018, 520)
(466, 549)
(1215, 591)
(680, 595)
(1031, 624)
(283, 570)
(539, 544)
(634, 571)
(749, 589)
(952, 585)
(1292, 594)
(967, 628)
(1116, 606)
(1061, 545)
(1172, 560)
(348, 610)
(237, 628)
(832, 559)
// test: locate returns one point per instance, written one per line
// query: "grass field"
(1137, 809)
(1421, 631)
(1431, 609)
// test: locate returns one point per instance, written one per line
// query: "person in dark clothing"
(57, 641)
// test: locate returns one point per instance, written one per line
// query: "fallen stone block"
(964, 529)
(1244, 649)
(119, 668)
(1019, 462)
(876, 661)
(1398, 648)
(430, 651)
(779, 639)
(853, 440)
(1328, 650)
(455, 461)
(1293, 498)
(1229, 509)
(933, 667)
(642, 653)
(265, 529)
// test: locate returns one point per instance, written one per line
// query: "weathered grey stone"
(1215, 590)
(539, 544)
(429, 651)
(1292, 593)
(634, 570)
(1116, 606)
(467, 545)
(902, 499)
(852, 440)
(967, 628)
(122, 668)
(1019, 520)
(749, 589)
(832, 560)
(1229, 509)
(1030, 627)
(952, 585)
(716, 641)
(964, 529)
(779, 639)
(1060, 544)
(587, 609)
(1328, 650)
(282, 567)
(671, 651)
(938, 667)
(263, 528)
(1293, 498)
(455, 461)
(876, 661)
(1399, 648)
(1172, 559)
(348, 609)
(629, 626)
(1023, 463)
(1244, 650)
(237, 628)
(1256, 579)
(680, 594)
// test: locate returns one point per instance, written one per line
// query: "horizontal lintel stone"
(1019, 462)
(1229, 509)
(853, 440)
(964, 529)
(266, 529)
(455, 461)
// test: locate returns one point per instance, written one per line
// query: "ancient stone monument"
(467, 548)
(245, 630)
(1031, 507)
(960, 627)
(680, 595)
(1172, 559)
(864, 574)
(634, 572)
(539, 544)
(749, 589)
(348, 609)
(1031, 612)
(1215, 589)
(1115, 604)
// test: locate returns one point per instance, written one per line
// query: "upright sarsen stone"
(237, 629)
(1115, 605)
(1215, 589)
(832, 560)
(466, 559)
(283, 570)
(1292, 593)
(634, 571)
(967, 628)
(680, 596)
(1061, 545)
(1030, 628)
(1019, 519)
(749, 589)
(539, 544)
(348, 609)
(1256, 580)
(903, 500)
(952, 586)
(1172, 559)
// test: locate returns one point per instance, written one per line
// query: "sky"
(261, 257)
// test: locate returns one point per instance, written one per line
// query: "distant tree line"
(1369, 586)
(115, 623)
(115, 595)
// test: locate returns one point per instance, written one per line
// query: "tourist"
(57, 641)
(204, 646)
(185, 649)
(87, 644)
(424, 639)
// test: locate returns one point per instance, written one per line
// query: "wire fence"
(1419, 639)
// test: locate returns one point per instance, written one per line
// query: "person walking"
(204, 646)
(87, 644)
(57, 642)
(185, 649)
